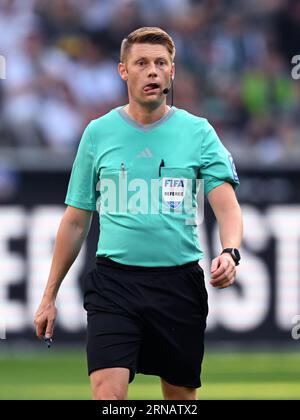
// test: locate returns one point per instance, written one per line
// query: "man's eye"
(140, 63)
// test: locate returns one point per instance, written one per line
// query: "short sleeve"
(83, 180)
(217, 164)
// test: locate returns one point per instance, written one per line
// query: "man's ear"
(123, 71)
(173, 71)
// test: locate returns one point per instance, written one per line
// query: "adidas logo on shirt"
(145, 153)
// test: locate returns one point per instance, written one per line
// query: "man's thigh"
(174, 328)
(113, 341)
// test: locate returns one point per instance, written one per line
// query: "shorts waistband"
(109, 262)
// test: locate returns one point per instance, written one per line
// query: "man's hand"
(45, 318)
(223, 271)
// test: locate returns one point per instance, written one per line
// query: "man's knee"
(174, 392)
(106, 391)
(110, 384)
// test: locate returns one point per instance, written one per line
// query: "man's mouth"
(151, 88)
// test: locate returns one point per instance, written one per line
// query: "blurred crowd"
(233, 67)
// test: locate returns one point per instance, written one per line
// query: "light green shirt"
(142, 181)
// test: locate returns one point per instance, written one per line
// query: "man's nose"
(152, 71)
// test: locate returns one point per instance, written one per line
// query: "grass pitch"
(62, 375)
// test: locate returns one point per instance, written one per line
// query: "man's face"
(148, 71)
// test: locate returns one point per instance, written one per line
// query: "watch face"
(236, 254)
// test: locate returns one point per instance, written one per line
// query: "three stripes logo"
(146, 153)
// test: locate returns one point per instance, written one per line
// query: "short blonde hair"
(147, 35)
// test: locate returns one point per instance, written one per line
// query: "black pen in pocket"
(162, 163)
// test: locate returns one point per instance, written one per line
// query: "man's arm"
(228, 214)
(71, 234)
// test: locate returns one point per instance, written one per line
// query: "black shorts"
(149, 320)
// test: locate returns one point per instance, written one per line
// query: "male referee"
(146, 299)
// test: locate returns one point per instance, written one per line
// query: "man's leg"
(110, 383)
(174, 392)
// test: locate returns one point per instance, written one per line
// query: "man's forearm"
(228, 213)
(230, 227)
(69, 240)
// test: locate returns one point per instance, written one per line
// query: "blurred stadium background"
(235, 66)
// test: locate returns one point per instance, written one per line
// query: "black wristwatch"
(234, 252)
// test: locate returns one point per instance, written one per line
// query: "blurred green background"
(226, 375)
